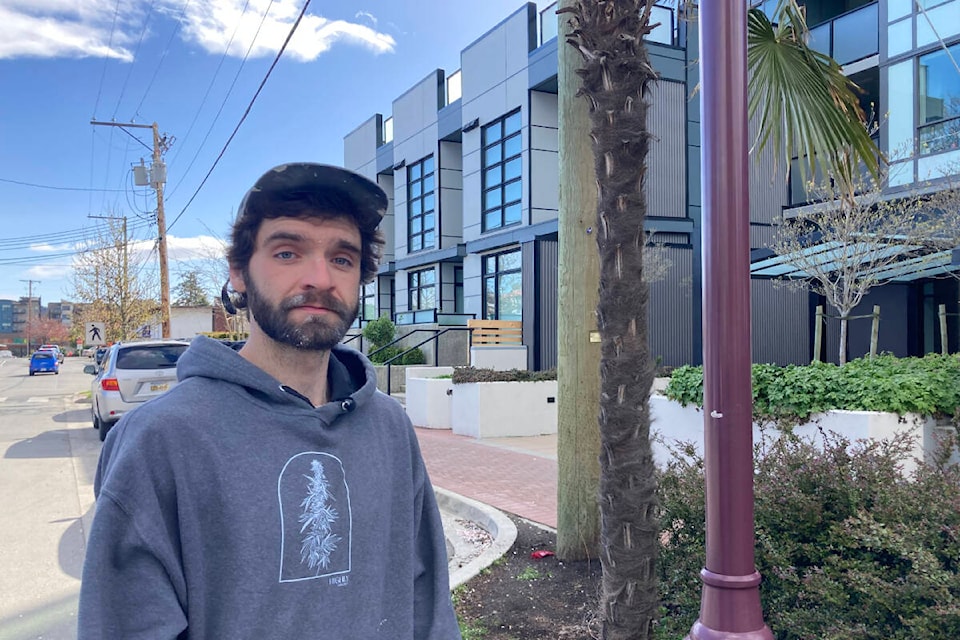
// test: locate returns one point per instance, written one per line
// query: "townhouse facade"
(470, 162)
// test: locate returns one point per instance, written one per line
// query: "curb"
(499, 526)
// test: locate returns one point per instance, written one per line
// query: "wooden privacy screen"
(487, 332)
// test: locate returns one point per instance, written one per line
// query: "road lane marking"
(37, 399)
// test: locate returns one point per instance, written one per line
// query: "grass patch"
(529, 573)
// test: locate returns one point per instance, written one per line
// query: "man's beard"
(317, 333)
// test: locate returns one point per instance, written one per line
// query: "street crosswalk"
(25, 400)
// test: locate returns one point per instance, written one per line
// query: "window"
(502, 175)
(938, 92)
(422, 288)
(421, 215)
(368, 301)
(458, 289)
(502, 286)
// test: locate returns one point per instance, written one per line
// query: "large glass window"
(503, 286)
(502, 174)
(938, 92)
(422, 288)
(421, 205)
(368, 302)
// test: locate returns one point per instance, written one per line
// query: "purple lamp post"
(730, 604)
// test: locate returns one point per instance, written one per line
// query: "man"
(274, 492)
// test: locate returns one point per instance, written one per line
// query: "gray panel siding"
(666, 182)
(768, 183)
(670, 312)
(780, 323)
(547, 293)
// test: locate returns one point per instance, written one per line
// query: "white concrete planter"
(498, 409)
(428, 402)
(675, 423)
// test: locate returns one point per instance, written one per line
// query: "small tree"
(845, 246)
(379, 332)
(189, 291)
(47, 331)
(107, 281)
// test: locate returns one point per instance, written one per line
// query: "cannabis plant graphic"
(317, 518)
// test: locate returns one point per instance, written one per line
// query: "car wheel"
(104, 430)
(32, 372)
(96, 420)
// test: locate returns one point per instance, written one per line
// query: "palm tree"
(805, 104)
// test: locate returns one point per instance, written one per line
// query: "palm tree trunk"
(616, 73)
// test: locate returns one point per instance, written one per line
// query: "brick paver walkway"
(511, 480)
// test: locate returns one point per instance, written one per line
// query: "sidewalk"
(516, 475)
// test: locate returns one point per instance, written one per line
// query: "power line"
(56, 188)
(203, 101)
(126, 81)
(103, 75)
(60, 237)
(283, 48)
(163, 56)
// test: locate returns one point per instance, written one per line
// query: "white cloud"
(109, 28)
(64, 29)
(196, 248)
(50, 272)
(211, 25)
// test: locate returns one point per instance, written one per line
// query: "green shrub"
(379, 332)
(414, 356)
(929, 386)
(473, 374)
(388, 352)
(847, 546)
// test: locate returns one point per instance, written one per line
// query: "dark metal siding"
(546, 293)
(670, 312)
(666, 180)
(780, 323)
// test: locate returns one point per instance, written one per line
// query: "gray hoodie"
(231, 508)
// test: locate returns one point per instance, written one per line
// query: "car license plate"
(159, 387)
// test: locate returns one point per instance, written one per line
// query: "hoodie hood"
(353, 380)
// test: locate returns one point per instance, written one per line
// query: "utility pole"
(30, 284)
(578, 353)
(158, 178)
(125, 277)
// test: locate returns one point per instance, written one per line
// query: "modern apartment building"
(470, 161)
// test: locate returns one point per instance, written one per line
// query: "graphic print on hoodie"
(316, 519)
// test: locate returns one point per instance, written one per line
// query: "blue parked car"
(44, 362)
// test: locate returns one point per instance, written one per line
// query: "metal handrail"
(354, 337)
(436, 352)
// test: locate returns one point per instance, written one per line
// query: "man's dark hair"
(321, 205)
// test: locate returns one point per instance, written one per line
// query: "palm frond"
(806, 105)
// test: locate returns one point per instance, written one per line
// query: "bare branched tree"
(843, 246)
(108, 282)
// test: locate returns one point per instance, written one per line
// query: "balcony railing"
(853, 36)
(664, 12)
(432, 316)
(800, 181)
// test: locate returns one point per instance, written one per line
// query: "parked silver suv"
(132, 373)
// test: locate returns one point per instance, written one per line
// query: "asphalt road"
(49, 459)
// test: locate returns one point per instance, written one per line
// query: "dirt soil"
(521, 597)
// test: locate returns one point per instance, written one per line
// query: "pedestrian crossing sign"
(95, 333)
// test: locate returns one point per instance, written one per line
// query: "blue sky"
(180, 63)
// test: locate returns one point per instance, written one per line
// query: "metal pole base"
(730, 609)
(701, 632)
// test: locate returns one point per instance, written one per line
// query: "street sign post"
(95, 333)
